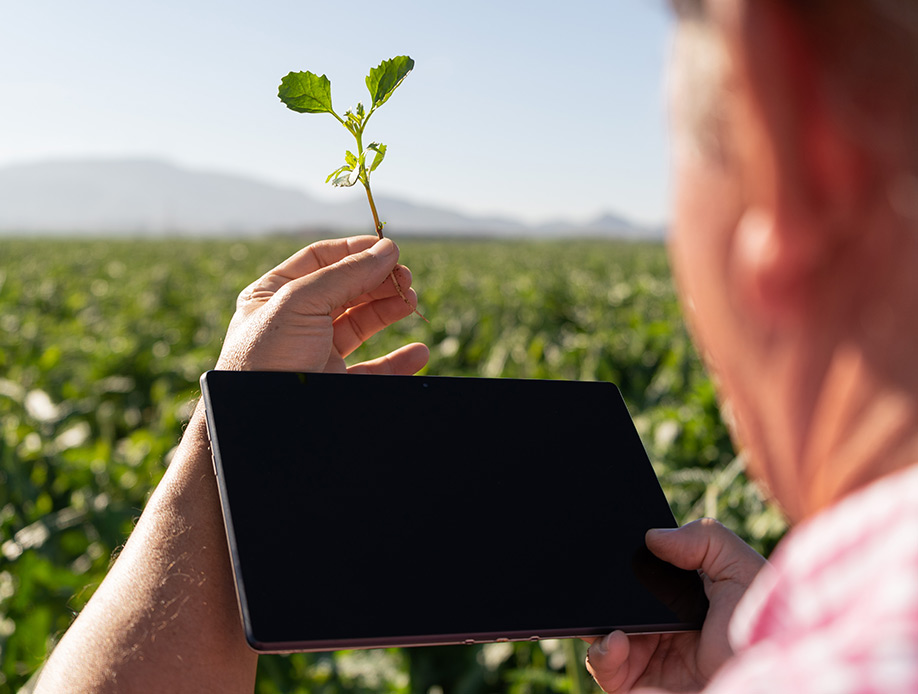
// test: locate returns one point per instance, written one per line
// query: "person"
(795, 251)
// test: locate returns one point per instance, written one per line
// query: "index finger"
(314, 257)
(326, 290)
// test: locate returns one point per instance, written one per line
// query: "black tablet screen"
(388, 510)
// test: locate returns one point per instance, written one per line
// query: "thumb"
(324, 290)
(708, 546)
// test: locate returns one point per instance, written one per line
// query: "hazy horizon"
(155, 197)
(534, 110)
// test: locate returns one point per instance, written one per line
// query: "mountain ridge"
(147, 196)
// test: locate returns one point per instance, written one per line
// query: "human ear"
(773, 262)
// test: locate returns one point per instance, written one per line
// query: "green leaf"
(306, 92)
(380, 150)
(337, 172)
(384, 78)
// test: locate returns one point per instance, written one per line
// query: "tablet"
(368, 511)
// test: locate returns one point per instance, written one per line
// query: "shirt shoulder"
(837, 609)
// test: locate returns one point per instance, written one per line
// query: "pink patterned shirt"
(837, 610)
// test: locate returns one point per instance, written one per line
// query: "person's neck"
(865, 427)
(864, 421)
(835, 398)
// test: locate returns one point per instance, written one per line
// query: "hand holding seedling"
(306, 92)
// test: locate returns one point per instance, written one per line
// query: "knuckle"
(711, 527)
(350, 263)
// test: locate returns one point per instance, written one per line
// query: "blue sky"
(532, 109)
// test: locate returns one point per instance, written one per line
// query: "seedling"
(306, 92)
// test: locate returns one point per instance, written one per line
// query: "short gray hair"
(869, 49)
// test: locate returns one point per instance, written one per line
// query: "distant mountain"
(149, 197)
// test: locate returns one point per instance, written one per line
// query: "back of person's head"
(794, 232)
(866, 52)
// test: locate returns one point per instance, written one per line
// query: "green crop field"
(102, 343)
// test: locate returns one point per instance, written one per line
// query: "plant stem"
(365, 179)
(364, 176)
(376, 221)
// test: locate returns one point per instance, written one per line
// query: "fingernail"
(383, 248)
(602, 646)
(657, 532)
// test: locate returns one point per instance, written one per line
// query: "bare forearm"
(165, 618)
